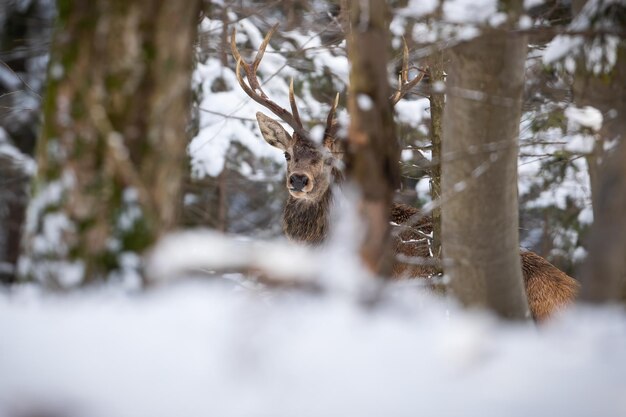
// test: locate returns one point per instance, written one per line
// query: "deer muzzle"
(300, 182)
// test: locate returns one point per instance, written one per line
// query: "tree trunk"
(13, 200)
(605, 267)
(603, 274)
(479, 166)
(437, 102)
(373, 152)
(111, 155)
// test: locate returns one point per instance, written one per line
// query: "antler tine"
(253, 88)
(233, 45)
(250, 70)
(261, 51)
(292, 102)
(404, 85)
(331, 123)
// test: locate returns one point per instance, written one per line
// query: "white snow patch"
(469, 11)
(525, 22)
(586, 215)
(56, 71)
(419, 8)
(18, 159)
(207, 250)
(579, 255)
(9, 78)
(72, 275)
(423, 187)
(580, 143)
(439, 87)
(588, 117)
(529, 4)
(459, 186)
(317, 133)
(412, 112)
(497, 19)
(364, 102)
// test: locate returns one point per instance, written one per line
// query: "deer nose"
(298, 182)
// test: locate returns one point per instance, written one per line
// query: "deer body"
(312, 169)
(548, 289)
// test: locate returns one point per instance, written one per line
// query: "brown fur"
(548, 289)
(307, 221)
(410, 240)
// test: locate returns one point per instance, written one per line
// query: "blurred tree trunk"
(14, 181)
(111, 155)
(604, 269)
(479, 166)
(373, 151)
(436, 62)
(604, 273)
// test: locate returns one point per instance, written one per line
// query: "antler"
(331, 124)
(404, 85)
(253, 87)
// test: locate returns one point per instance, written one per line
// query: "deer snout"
(297, 182)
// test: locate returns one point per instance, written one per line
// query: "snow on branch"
(273, 263)
(599, 52)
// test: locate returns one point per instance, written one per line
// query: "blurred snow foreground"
(223, 348)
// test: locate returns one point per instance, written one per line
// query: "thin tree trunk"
(437, 102)
(480, 129)
(373, 150)
(222, 201)
(13, 200)
(111, 156)
(224, 46)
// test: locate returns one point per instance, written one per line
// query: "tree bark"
(605, 267)
(603, 274)
(437, 102)
(111, 156)
(479, 166)
(13, 200)
(373, 151)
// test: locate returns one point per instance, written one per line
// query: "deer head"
(311, 168)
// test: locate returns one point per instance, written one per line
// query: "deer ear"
(273, 132)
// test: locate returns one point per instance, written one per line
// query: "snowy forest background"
(182, 320)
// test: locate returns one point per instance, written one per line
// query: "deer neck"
(307, 221)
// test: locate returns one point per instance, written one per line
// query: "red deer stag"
(312, 170)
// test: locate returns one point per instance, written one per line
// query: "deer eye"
(287, 156)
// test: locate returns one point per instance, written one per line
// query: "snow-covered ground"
(201, 348)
